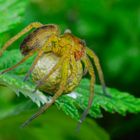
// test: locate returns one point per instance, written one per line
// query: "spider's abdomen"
(37, 38)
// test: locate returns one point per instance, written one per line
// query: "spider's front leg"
(25, 30)
(90, 69)
(99, 69)
(64, 78)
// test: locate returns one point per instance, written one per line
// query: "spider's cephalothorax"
(59, 63)
(58, 43)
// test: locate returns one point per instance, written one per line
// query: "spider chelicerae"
(73, 59)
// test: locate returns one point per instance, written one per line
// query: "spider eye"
(67, 31)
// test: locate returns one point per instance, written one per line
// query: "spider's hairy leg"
(74, 68)
(64, 77)
(90, 69)
(46, 77)
(99, 69)
(21, 61)
(25, 30)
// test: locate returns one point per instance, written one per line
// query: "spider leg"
(25, 30)
(40, 53)
(45, 78)
(20, 62)
(99, 69)
(74, 69)
(90, 69)
(64, 77)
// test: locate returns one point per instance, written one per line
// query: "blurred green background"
(112, 29)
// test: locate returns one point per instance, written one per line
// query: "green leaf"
(67, 104)
(16, 84)
(11, 12)
(119, 102)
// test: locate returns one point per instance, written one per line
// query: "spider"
(72, 52)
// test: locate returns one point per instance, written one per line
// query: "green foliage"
(52, 125)
(11, 12)
(118, 102)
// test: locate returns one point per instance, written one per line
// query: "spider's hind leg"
(25, 30)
